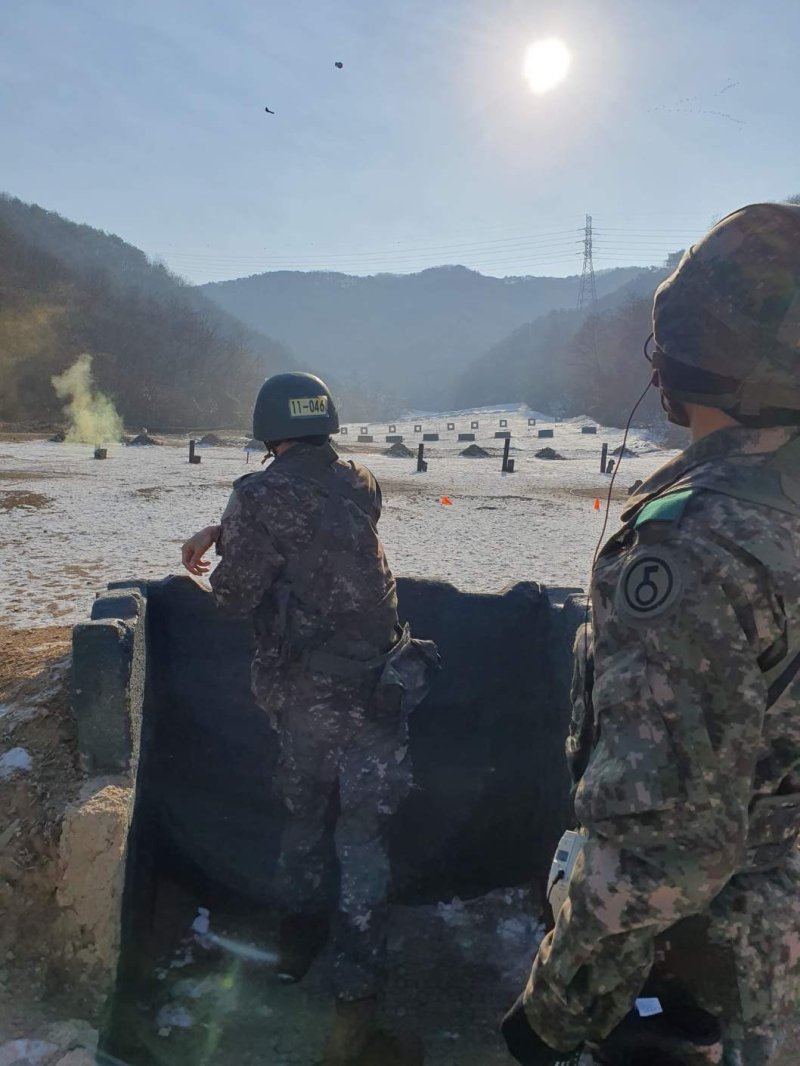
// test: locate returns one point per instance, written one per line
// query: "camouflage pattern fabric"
(337, 735)
(688, 612)
(338, 742)
(349, 599)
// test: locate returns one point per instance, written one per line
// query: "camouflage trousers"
(341, 750)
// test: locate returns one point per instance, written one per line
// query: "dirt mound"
(59, 437)
(211, 440)
(9, 500)
(141, 440)
(399, 451)
(255, 446)
(474, 451)
(628, 453)
(548, 453)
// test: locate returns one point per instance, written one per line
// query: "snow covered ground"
(69, 524)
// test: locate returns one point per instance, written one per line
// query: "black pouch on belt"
(408, 673)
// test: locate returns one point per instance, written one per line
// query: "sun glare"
(546, 64)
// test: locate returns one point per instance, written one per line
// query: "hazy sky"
(146, 118)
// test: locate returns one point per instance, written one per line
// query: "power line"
(524, 239)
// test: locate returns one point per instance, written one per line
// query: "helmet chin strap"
(675, 410)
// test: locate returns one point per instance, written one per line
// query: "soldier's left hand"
(526, 1046)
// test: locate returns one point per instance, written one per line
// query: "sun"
(546, 64)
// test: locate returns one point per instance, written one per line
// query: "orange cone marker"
(596, 504)
(445, 501)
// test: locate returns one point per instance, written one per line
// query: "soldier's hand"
(195, 548)
(527, 1047)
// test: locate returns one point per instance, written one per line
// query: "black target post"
(603, 458)
(422, 466)
(508, 464)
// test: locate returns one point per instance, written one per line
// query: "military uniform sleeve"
(250, 560)
(679, 702)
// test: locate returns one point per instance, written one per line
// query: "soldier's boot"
(353, 1025)
(301, 937)
(355, 1039)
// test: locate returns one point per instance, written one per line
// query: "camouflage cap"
(294, 405)
(731, 310)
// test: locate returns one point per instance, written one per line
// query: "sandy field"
(69, 523)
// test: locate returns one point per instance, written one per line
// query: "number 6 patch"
(650, 584)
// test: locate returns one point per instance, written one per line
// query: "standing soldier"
(337, 676)
(685, 738)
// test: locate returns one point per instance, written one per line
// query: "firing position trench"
(165, 717)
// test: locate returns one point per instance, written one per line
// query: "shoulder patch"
(667, 508)
(651, 583)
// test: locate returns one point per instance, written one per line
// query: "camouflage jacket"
(693, 730)
(301, 553)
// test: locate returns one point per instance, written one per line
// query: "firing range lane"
(128, 515)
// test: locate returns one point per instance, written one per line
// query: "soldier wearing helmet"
(337, 676)
(683, 902)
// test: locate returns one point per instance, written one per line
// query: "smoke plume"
(93, 419)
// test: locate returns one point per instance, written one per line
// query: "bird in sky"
(338, 64)
(268, 111)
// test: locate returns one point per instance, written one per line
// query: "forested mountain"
(570, 363)
(165, 354)
(405, 339)
(171, 355)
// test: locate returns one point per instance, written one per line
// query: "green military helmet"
(727, 321)
(294, 405)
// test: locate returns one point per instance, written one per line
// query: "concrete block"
(430, 436)
(364, 438)
(394, 438)
(589, 429)
(545, 433)
(503, 434)
(92, 852)
(108, 675)
(123, 603)
(466, 436)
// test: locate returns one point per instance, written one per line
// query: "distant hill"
(165, 354)
(404, 339)
(546, 362)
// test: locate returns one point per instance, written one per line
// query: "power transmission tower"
(587, 301)
(587, 294)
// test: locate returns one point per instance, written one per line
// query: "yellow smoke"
(92, 416)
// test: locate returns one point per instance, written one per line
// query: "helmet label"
(308, 407)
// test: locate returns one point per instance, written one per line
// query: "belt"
(319, 661)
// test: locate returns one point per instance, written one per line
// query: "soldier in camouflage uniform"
(685, 738)
(335, 673)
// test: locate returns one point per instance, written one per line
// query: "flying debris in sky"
(682, 106)
(268, 111)
(338, 64)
